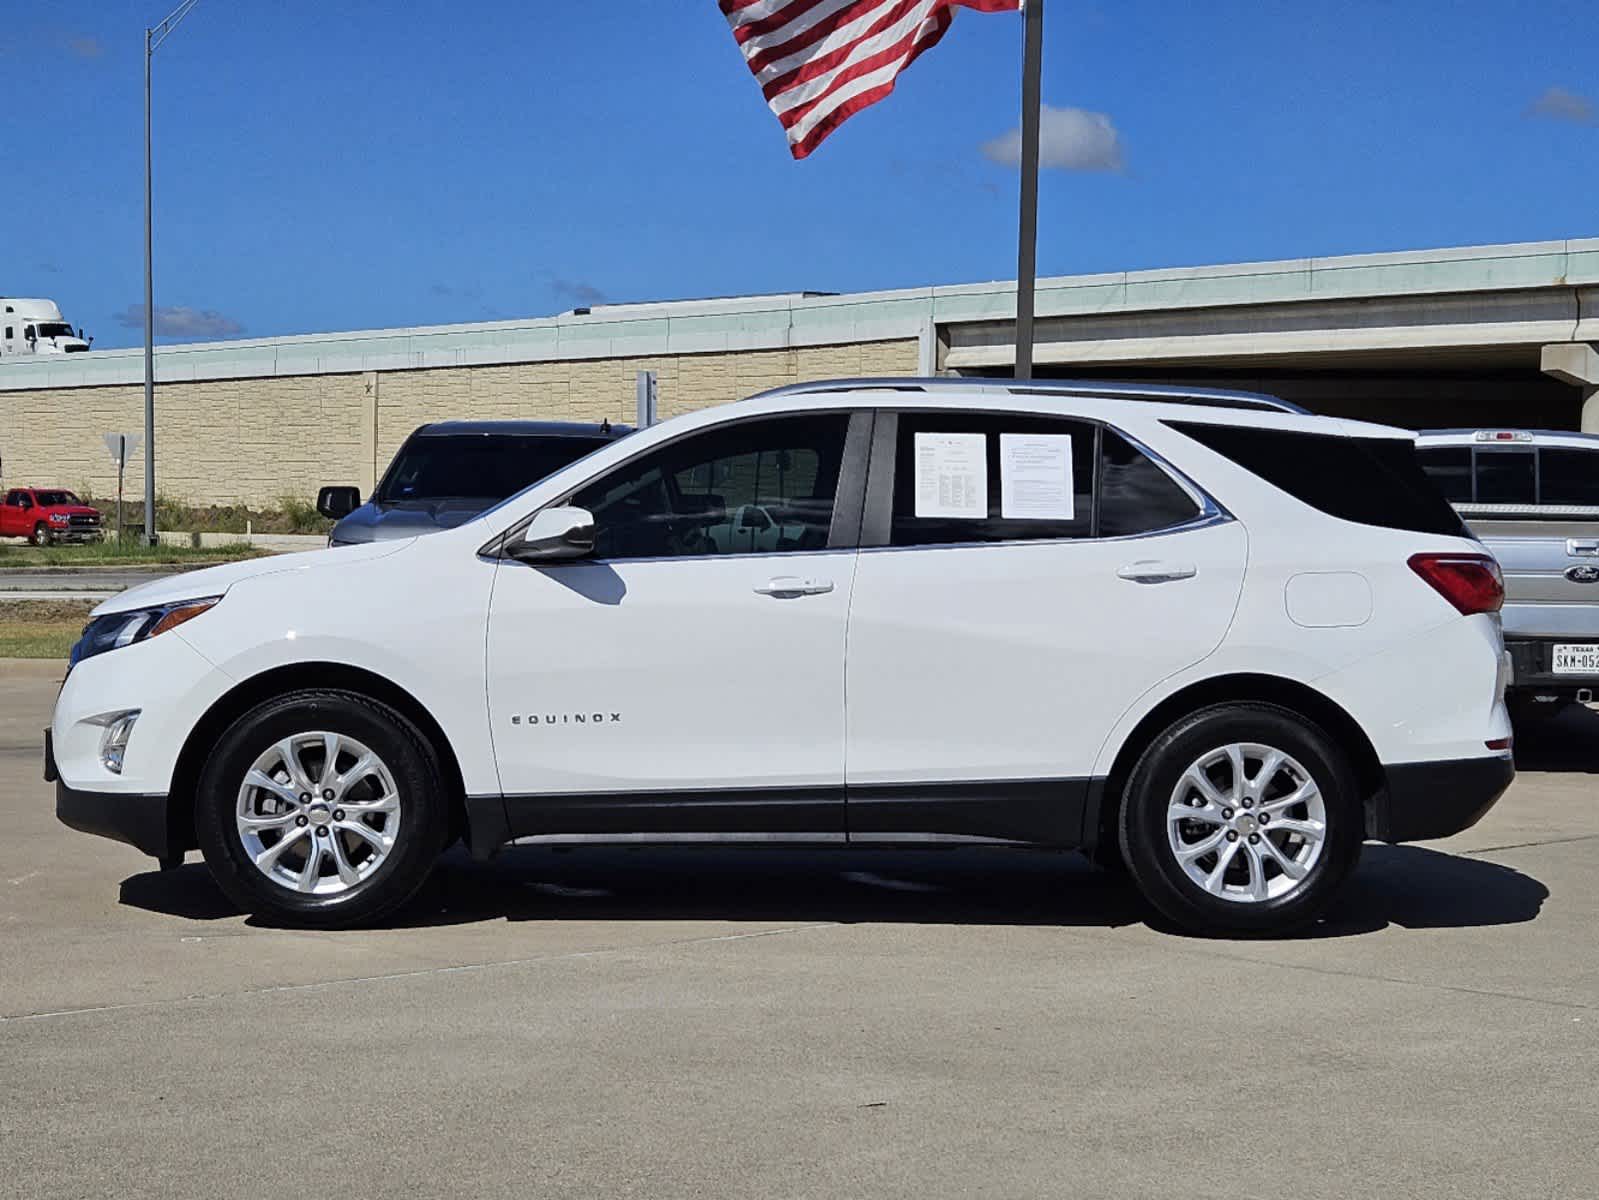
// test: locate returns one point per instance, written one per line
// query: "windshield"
(51, 499)
(477, 466)
(54, 329)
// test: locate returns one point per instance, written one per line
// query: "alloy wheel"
(318, 813)
(1247, 823)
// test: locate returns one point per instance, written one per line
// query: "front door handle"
(793, 585)
(1151, 570)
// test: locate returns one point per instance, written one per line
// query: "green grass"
(41, 628)
(127, 554)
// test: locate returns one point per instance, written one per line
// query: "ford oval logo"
(1583, 574)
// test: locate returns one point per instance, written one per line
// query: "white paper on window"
(951, 475)
(1035, 477)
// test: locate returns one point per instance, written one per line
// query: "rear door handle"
(1576, 546)
(793, 585)
(1151, 570)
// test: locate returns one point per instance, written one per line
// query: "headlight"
(115, 630)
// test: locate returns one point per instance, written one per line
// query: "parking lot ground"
(770, 1024)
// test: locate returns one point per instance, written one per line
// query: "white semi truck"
(32, 327)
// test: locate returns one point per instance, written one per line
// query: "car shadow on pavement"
(1408, 886)
(1566, 740)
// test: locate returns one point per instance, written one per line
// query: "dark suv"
(448, 472)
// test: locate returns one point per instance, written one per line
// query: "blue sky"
(373, 163)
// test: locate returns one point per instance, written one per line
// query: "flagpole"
(1027, 240)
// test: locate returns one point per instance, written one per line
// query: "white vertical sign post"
(121, 446)
(649, 391)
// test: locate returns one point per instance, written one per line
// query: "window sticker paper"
(1035, 477)
(952, 475)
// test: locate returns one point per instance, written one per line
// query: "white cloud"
(180, 321)
(1069, 139)
(1562, 104)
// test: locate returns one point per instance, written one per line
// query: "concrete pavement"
(765, 1024)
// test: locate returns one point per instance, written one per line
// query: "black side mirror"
(336, 503)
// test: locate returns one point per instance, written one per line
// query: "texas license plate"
(1577, 659)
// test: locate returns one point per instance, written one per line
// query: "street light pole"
(152, 41)
(149, 317)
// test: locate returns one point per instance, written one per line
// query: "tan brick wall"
(220, 442)
(251, 441)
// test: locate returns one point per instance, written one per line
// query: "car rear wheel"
(322, 809)
(1242, 818)
(41, 534)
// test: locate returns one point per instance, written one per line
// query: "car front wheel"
(322, 809)
(1242, 818)
(41, 534)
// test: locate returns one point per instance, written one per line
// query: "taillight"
(1471, 582)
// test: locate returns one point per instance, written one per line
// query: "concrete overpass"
(1481, 335)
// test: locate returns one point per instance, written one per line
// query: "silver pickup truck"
(1532, 496)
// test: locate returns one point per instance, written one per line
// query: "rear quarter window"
(1371, 481)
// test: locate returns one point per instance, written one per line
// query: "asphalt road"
(68, 583)
(760, 1024)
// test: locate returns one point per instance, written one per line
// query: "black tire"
(422, 820)
(41, 534)
(1146, 844)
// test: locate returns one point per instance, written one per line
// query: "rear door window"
(962, 477)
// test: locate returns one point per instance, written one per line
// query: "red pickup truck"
(45, 515)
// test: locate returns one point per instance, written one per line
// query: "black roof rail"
(1092, 388)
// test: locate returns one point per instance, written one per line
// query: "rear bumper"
(1532, 667)
(1436, 799)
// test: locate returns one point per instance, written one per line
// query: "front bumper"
(1422, 801)
(141, 821)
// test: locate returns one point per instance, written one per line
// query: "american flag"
(820, 62)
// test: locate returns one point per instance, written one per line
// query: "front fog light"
(114, 741)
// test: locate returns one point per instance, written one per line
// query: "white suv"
(1217, 638)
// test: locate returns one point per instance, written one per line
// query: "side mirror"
(553, 535)
(335, 503)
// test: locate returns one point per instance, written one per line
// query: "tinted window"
(995, 467)
(1505, 476)
(1449, 468)
(1374, 481)
(758, 487)
(1568, 477)
(477, 465)
(1135, 495)
(54, 498)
